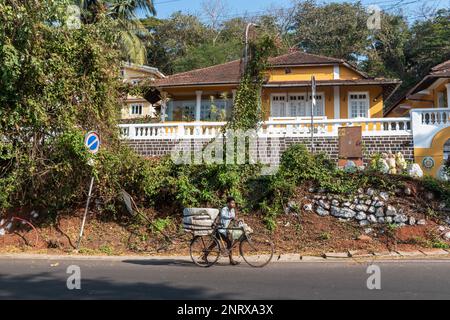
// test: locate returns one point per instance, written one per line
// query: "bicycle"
(256, 249)
(22, 228)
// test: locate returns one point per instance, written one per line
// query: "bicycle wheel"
(205, 251)
(256, 250)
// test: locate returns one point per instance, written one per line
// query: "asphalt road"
(179, 279)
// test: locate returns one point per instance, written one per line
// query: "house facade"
(343, 92)
(138, 107)
(195, 106)
(428, 102)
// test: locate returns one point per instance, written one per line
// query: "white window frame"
(136, 109)
(349, 106)
(307, 101)
(285, 95)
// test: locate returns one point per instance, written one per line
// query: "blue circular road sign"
(92, 142)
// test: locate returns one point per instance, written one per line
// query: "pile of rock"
(368, 207)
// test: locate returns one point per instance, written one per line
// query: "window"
(297, 105)
(136, 109)
(319, 111)
(278, 106)
(358, 105)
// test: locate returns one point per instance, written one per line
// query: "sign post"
(92, 143)
(313, 107)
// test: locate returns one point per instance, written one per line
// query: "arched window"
(447, 150)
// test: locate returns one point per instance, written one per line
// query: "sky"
(235, 8)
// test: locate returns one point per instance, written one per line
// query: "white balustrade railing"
(275, 128)
(426, 123)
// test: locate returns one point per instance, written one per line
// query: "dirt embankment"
(303, 232)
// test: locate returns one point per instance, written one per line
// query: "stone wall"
(269, 150)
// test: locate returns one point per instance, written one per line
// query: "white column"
(448, 94)
(163, 106)
(198, 107)
(337, 102)
(336, 73)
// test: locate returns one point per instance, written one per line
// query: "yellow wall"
(376, 107)
(301, 74)
(147, 109)
(375, 92)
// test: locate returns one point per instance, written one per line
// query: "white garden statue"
(415, 171)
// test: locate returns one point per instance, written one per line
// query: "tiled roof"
(229, 73)
(379, 81)
(226, 73)
(443, 67)
(299, 58)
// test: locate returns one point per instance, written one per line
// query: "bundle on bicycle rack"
(199, 221)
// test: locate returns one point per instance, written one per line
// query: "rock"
(442, 228)
(324, 204)
(371, 210)
(311, 190)
(361, 216)
(364, 223)
(407, 191)
(384, 196)
(368, 230)
(442, 205)
(381, 220)
(400, 218)
(352, 207)
(346, 204)
(308, 207)
(429, 195)
(412, 221)
(34, 214)
(422, 222)
(379, 204)
(360, 190)
(2, 232)
(317, 197)
(388, 220)
(447, 236)
(447, 220)
(322, 212)
(368, 202)
(361, 207)
(372, 219)
(8, 226)
(364, 238)
(350, 167)
(415, 171)
(335, 203)
(379, 212)
(370, 192)
(391, 211)
(345, 213)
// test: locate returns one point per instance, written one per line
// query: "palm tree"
(125, 13)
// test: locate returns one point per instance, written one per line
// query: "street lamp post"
(247, 31)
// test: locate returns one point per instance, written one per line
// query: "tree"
(429, 44)
(337, 29)
(386, 54)
(57, 83)
(124, 13)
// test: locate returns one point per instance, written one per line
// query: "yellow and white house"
(138, 107)
(428, 105)
(195, 106)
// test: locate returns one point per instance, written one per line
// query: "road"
(179, 279)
